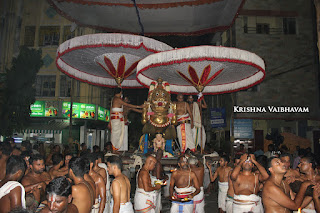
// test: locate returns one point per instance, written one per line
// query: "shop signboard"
(103, 114)
(66, 109)
(37, 109)
(87, 111)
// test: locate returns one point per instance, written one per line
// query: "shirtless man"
(59, 197)
(100, 186)
(57, 170)
(117, 119)
(12, 194)
(35, 182)
(6, 152)
(55, 150)
(221, 172)
(307, 169)
(120, 188)
(82, 192)
(184, 185)
(197, 167)
(198, 132)
(246, 185)
(185, 125)
(230, 192)
(146, 192)
(286, 159)
(158, 142)
(276, 192)
(316, 197)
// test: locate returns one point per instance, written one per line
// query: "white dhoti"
(198, 202)
(183, 206)
(124, 207)
(96, 206)
(145, 201)
(184, 133)
(9, 186)
(197, 135)
(158, 203)
(117, 128)
(229, 204)
(222, 195)
(247, 203)
(125, 146)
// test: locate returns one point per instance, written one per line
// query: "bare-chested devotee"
(307, 167)
(57, 170)
(286, 160)
(120, 187)
(185, 125)
(198, 131)
(59, 195)
(6, 150)
(117, 119)
(246, 185)
(145, 199)
(35, 182)
(184, 185)
(197, 167)
(82, 191)
(100, 186)
(102, 169)
(12, 194)
(276, 192)
(230, 192)
(221, 172)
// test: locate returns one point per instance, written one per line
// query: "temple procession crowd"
(35, 181)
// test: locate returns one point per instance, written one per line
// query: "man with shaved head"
(184, 185)
(146, 192)
(276, 192)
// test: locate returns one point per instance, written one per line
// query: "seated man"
(276, 192)
(120, 188)
(184, 185)
(59, 197)
(82, 192)
(57, 170)
(145, 198)
(12, 194)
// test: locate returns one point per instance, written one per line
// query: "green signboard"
(87, 111)
(79, 110)
(103, 114)
(38, 109)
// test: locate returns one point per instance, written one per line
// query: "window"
(65, 86)
(45, 85)
(67, 34)
(262, 29)
(29, 35)
(289, 26)
(49, 35)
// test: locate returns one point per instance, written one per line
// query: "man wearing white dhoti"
(117, 124)
(120, 187)
(221, 172)
(145, 199)
(184, 186)
(198, 131)
(12, 193)
(185, 121)
(246, 185)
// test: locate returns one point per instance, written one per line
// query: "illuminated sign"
(103, 114)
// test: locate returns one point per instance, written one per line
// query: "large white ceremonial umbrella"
(151, 17)
(203, 69)
(108, 60)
